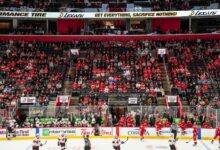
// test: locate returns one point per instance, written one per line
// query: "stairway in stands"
(165, 76)
(50, 111)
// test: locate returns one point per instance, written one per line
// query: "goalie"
(62, 141)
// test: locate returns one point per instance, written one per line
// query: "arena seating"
(109, 68)
(102, 68)
(31, 69)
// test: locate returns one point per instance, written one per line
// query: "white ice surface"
(106, 144)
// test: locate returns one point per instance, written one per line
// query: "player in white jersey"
(62, 141)
(36, 143)
(172, 143)
(117, 143)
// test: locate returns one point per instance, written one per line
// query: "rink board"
(106, 132)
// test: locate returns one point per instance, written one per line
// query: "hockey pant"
(63, 146)
(172, 147)
(116, 147)
(87, 148)
(35, 148)
(174, 133)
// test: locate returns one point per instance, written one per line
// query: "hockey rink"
(106, 144)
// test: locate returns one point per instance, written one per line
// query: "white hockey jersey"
(116, 142)
(36, 142)
(62, 139)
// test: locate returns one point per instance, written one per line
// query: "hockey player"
(87, 142)
(62, 141)
(217, 134)
(117, 143)
(144, 122)
(174, 130)
(36, 143)
(159, 126)
(84, 123)
(130, 121)
(97, 130)
(182, 125)
(172, 142)
(122, 121)
(142, 131)
(195, 134)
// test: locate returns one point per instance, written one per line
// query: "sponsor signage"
(71, 15)
(22, 132)
(33, 111)
(172, 99)
(90, 131)
(104, 131)
(64, 98)
(208, 133)
(57, 131)
(162, 51)
(167, 132)
(136, 131)
(29, 100)
(15, 14)
(132, 100)
(101, 15)
(205, 13)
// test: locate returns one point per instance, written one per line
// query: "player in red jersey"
(195, 134)
(167, 123)
(183, 126)
(122, 121)
(144, 122)
(159, 126)
(142, 131)
(217, 134)
(130, 121)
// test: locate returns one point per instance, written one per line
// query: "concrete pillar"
(148, 26)
(47, 26)
(128, 24)
(15, 23)
(190, 24)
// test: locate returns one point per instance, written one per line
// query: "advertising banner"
(167, 132)
(28, 100)
(101, 15)
(21, 132)
(57, 131)
(136, 131)
(208, 133)
(104, 131)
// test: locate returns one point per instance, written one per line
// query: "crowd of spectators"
(192, 65)
(112, 67)
(103, 68)
(28, 5)
(30, 69)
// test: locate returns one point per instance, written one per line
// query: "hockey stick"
(45, 142)
(124, 141)
(189, 141)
